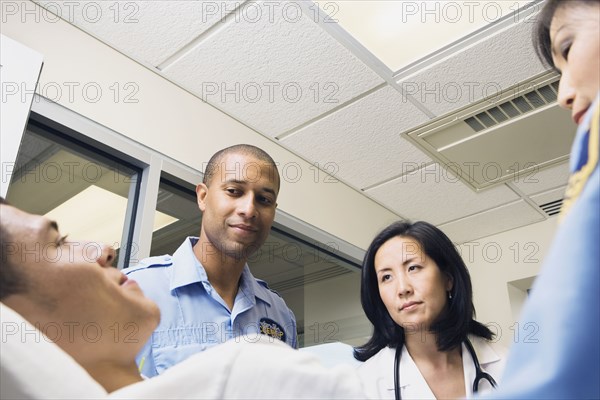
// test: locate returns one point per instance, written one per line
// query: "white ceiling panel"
(361, 143)
(433, 194)
(549, 196)
(282, 70)
(538, 181)
(488, 68)
(273, 73)
(491, 222)
(148, 31)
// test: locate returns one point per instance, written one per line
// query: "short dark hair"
(213, 164)
(453, 325)
(541, 30)
(12, 280)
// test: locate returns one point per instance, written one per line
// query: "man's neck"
(223, 271)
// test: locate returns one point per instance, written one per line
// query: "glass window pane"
(177, 216)
(84, 191)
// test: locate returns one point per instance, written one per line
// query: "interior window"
(87, 191)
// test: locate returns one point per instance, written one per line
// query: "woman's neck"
(422, 347)
(113, 377)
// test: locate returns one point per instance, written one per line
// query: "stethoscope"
(479, 374)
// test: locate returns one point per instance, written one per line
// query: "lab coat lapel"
(412, 383)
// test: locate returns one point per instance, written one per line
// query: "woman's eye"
(565, 49)
(412, 268)
(385, 277)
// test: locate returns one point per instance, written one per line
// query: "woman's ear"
(449, 282)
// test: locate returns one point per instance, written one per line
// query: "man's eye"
(265, 200)
(232, 191)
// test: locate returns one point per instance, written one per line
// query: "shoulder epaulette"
(150, 262)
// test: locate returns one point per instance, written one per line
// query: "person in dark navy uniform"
(205, 290)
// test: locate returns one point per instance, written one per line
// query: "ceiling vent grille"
(514, 108)
(552, 208)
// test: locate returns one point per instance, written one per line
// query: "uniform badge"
(271, 328)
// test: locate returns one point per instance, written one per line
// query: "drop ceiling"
(304, 81)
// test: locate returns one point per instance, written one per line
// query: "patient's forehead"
(21, 225)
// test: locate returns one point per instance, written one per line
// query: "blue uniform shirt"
(194, 316)
(562, 359)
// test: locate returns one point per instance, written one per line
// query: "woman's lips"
(578, 116)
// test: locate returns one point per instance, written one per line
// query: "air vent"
(552, 208)
(518, 132)
(514, 108)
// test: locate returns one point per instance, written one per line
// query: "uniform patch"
(271, 328)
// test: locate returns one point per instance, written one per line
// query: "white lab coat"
(377, 373)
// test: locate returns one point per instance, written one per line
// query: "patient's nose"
(107, 255)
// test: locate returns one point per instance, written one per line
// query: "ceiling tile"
(475, 73)
(274, 73)
(435, 195)
(361, 143)
(537, 181)
(549, 196)
(500, 219)
(148, 31)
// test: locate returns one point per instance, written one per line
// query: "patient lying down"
(69, 291)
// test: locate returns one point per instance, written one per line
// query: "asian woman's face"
(575, 38)
(411, 285)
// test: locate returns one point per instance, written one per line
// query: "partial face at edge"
(575, 38)
(73, 293)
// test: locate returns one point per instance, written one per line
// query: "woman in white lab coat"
(416, 291)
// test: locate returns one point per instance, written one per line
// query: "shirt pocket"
(170, 347)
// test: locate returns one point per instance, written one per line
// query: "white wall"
(502, 266)
(177, 124)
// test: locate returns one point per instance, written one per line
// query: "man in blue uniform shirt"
(205, 290)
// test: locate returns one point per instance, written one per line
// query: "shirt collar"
(188, 270)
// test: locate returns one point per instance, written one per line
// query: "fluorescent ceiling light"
(402, 32)
(98, 215)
